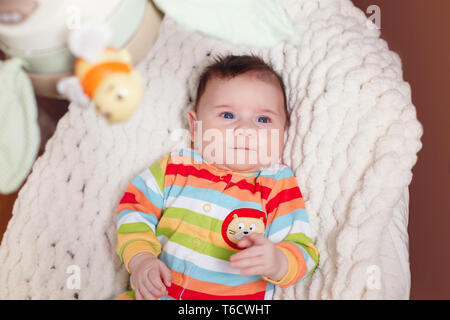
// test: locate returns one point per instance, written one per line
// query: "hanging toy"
(102, 75)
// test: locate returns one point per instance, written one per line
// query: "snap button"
(207, 207)
(197, 243)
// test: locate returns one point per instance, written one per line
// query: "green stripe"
(188, 242)
(301, 239)
(134, 227)
(298, 237)
(131, 294)
(194, 218)
(158, 174)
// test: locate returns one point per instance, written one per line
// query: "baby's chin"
(240, 167)
(247, 161)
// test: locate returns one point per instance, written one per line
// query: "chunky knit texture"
(352, 143)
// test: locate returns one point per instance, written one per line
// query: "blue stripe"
(196, 272)
(153, 197)
(307, 257)
(287, 220)
(286, 172)
(151, 218)
(212, 196)
(305, 254)
(166, 298)
(197, 157)
(269, 287)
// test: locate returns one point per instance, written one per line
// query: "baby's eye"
(263, 119)
(227, 115)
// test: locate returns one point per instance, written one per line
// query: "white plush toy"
(102, 74)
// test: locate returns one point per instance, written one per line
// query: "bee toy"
(102, 75)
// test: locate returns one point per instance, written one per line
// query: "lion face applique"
(242, 222)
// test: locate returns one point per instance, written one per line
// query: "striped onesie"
(191, 214)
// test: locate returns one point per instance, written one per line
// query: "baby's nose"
(245, 131)
(245, 125)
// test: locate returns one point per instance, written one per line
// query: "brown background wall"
(419, 31)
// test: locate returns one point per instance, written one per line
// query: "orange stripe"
(137, 246)
(183, 159)
(144, 204)
(99, 72)
(291, 272)
(302, 268)
(215, 288)
(163, 162)
(286, 208)
(168, 180)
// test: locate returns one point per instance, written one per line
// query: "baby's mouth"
(242, 234)
(244, 148)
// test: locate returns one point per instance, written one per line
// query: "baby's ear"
(285, 135)
(192, 117)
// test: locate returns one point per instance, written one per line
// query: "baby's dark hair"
(230, 66)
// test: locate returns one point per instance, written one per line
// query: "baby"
(223, 219)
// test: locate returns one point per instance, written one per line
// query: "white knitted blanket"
(352, 144)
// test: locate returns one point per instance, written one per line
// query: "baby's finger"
(254, 239)
(258, 239)
(246, 263)
(252, 252)
(138, 294)
(165, 274)
(156, 282)
(146, 293)
(253, 271)
(155, 290)
(244, 242)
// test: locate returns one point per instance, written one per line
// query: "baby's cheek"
(270, 146)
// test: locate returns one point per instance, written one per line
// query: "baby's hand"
(147, 272)
(261, 257)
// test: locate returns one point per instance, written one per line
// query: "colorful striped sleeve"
(288, 227)
(139, 213)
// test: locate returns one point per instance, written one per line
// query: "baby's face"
(240, 123)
